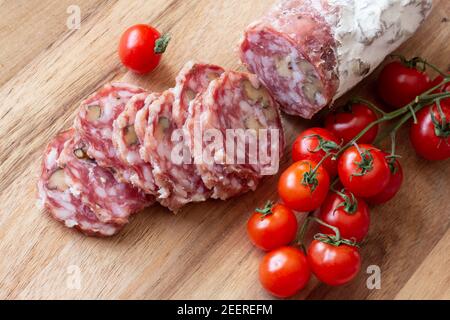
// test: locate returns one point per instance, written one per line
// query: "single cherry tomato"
(332, 264)
(430, 137)
(303, 187)
(393, 186)
(272, 227)
(141, 47)
(399, 84)
(312, 144)
(347, 124)
(346, 212)
(363, 170)
(284, 271)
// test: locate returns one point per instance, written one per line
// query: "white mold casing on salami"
(112, 201)
(367, 31)
(175, 174)
(237, 103)
(310, 52)
(57, 196)
(127, 137)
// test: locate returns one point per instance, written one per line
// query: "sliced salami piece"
(55, 194)
(193, 79)
(177, 177)
(310, 52)
(236, 134)
(95, 125)
(112, 201)
(141, 120)
(127, 138)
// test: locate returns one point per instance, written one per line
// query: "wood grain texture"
(203, 252)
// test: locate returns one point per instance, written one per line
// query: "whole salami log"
(95, 125)
(164, 147)
(230, 127)
(127, 137)
(310, 52)
(112, 201)
(55, 194)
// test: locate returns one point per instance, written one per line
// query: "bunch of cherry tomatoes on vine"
(338, 171)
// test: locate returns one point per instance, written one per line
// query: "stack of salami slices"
(130, 148)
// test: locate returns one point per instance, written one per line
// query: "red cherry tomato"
(312, 144)
(333, 265)
(399, 84)
(393, 186)
(284, 271)
(363, 171)
(431, 138)
(272, 227)
(301, 189)
(346, 212)
(141, 47)
(346, 125)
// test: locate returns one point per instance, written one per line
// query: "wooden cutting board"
(203, 252)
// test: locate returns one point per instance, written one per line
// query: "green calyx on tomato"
(325, 145)
(266, 210)
(414, 63)
(391, 161)
(441, 128)
(334, 240)
(162, 43)
(366, 163)
(310, 179)
(350, 203)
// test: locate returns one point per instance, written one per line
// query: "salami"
(310, 52)
(127, 138)
(141, 119)
(95, 125)
(164, 147)
(55, 194)
(112, 201)
(193, 79)
(230, 127)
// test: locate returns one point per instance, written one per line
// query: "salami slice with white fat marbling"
(95, 125)
(193, 79)
(164, 147)
(127, 137)
(112, 201)
(141, 119)
(230, 127)
(55, 194)
(310, 52)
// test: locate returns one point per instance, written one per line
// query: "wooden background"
(46, 69)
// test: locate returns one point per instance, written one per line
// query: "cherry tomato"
(346, 125)
(301, 189)
(141, 47)
(272, 227)
(346, 212)
(393, 186)
(284, 271)
(363, 171)
(333, 265)
(431, 138)
(312, 144)
(399, 84)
